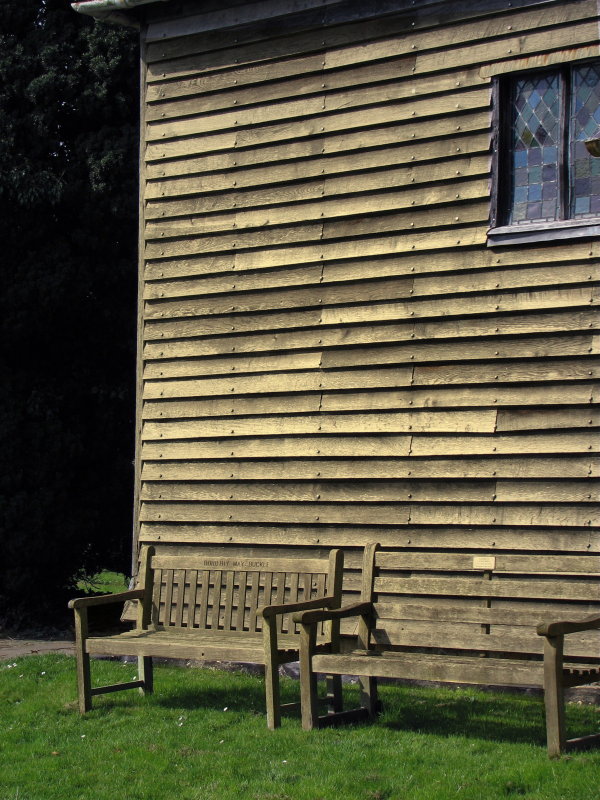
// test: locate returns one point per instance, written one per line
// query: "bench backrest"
(209, 592)
(487, 603)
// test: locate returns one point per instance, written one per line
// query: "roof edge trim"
(112, 10)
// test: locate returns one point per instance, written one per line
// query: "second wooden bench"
(465, 618)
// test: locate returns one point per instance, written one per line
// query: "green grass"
(203, 735)
(105, 582)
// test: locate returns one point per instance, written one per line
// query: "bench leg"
(84, 681)
(554, 695)
(368, 695)
(146, 674)
(272, 694)
(335, 700)
(308, 679)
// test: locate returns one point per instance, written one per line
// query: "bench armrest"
(355, 610)
(106, 599)
(285, 608)
(562, 628)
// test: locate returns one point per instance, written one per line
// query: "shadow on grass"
(481, 716)
(493, 716)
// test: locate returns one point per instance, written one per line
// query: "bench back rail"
(209, 593)
(484, 603)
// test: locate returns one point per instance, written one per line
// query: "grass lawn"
(203, 735)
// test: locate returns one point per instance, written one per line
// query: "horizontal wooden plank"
(373, 515)
(437, 216)
(178, 339)
(425, 25)
(235, 363)
(304, 138)
(467, 637)
(385, 81)
(581, 589)
(222, 18)
(325, 113)
(534, 347)
(291, 469)
(463, 306)
(547, 369)
(338, 305)
(347, 266)
(271, 513)
(560, 442)
(390, 377)
(468, 611)
(441, 668)
(519, 539)
(352, 491)
(388, 446)
(548, 491)
(479, 396)
(274, 185)
(525, 514)
(324, 210)
(461, 562)
(328, 492)
(397, 53)
(309, 157)
(381, 247)
(481, 421)
(239, 563)
(478, 280)
(280, 382)
(437, 397)
(532, 419)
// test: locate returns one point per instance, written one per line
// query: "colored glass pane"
(534, 149)
(584, 124)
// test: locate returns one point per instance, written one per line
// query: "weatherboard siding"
(331, 354)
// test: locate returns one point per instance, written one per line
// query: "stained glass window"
(552, 176)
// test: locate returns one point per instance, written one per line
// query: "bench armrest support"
(363, 609)
(106, 599)
(285, 608)
(568, 626)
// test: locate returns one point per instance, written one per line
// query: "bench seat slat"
(189, 644)
(434, 667)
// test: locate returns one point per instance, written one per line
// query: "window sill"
(543, 232)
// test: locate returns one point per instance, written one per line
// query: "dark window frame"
(500, 232)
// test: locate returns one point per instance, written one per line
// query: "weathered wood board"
(329, 351)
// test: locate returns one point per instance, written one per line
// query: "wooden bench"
(206, 607)
(464, 618)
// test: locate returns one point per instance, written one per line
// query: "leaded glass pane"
(534, 150)
(585, 122)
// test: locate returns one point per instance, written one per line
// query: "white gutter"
(112, 10)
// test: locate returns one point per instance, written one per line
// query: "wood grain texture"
(329, 347)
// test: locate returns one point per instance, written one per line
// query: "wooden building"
(368, 280)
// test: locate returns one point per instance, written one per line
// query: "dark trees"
(68, 238)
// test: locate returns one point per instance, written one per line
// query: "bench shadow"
(510, 718)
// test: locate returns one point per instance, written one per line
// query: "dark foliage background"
(68, 239)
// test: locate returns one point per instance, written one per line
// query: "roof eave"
(112, 10)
